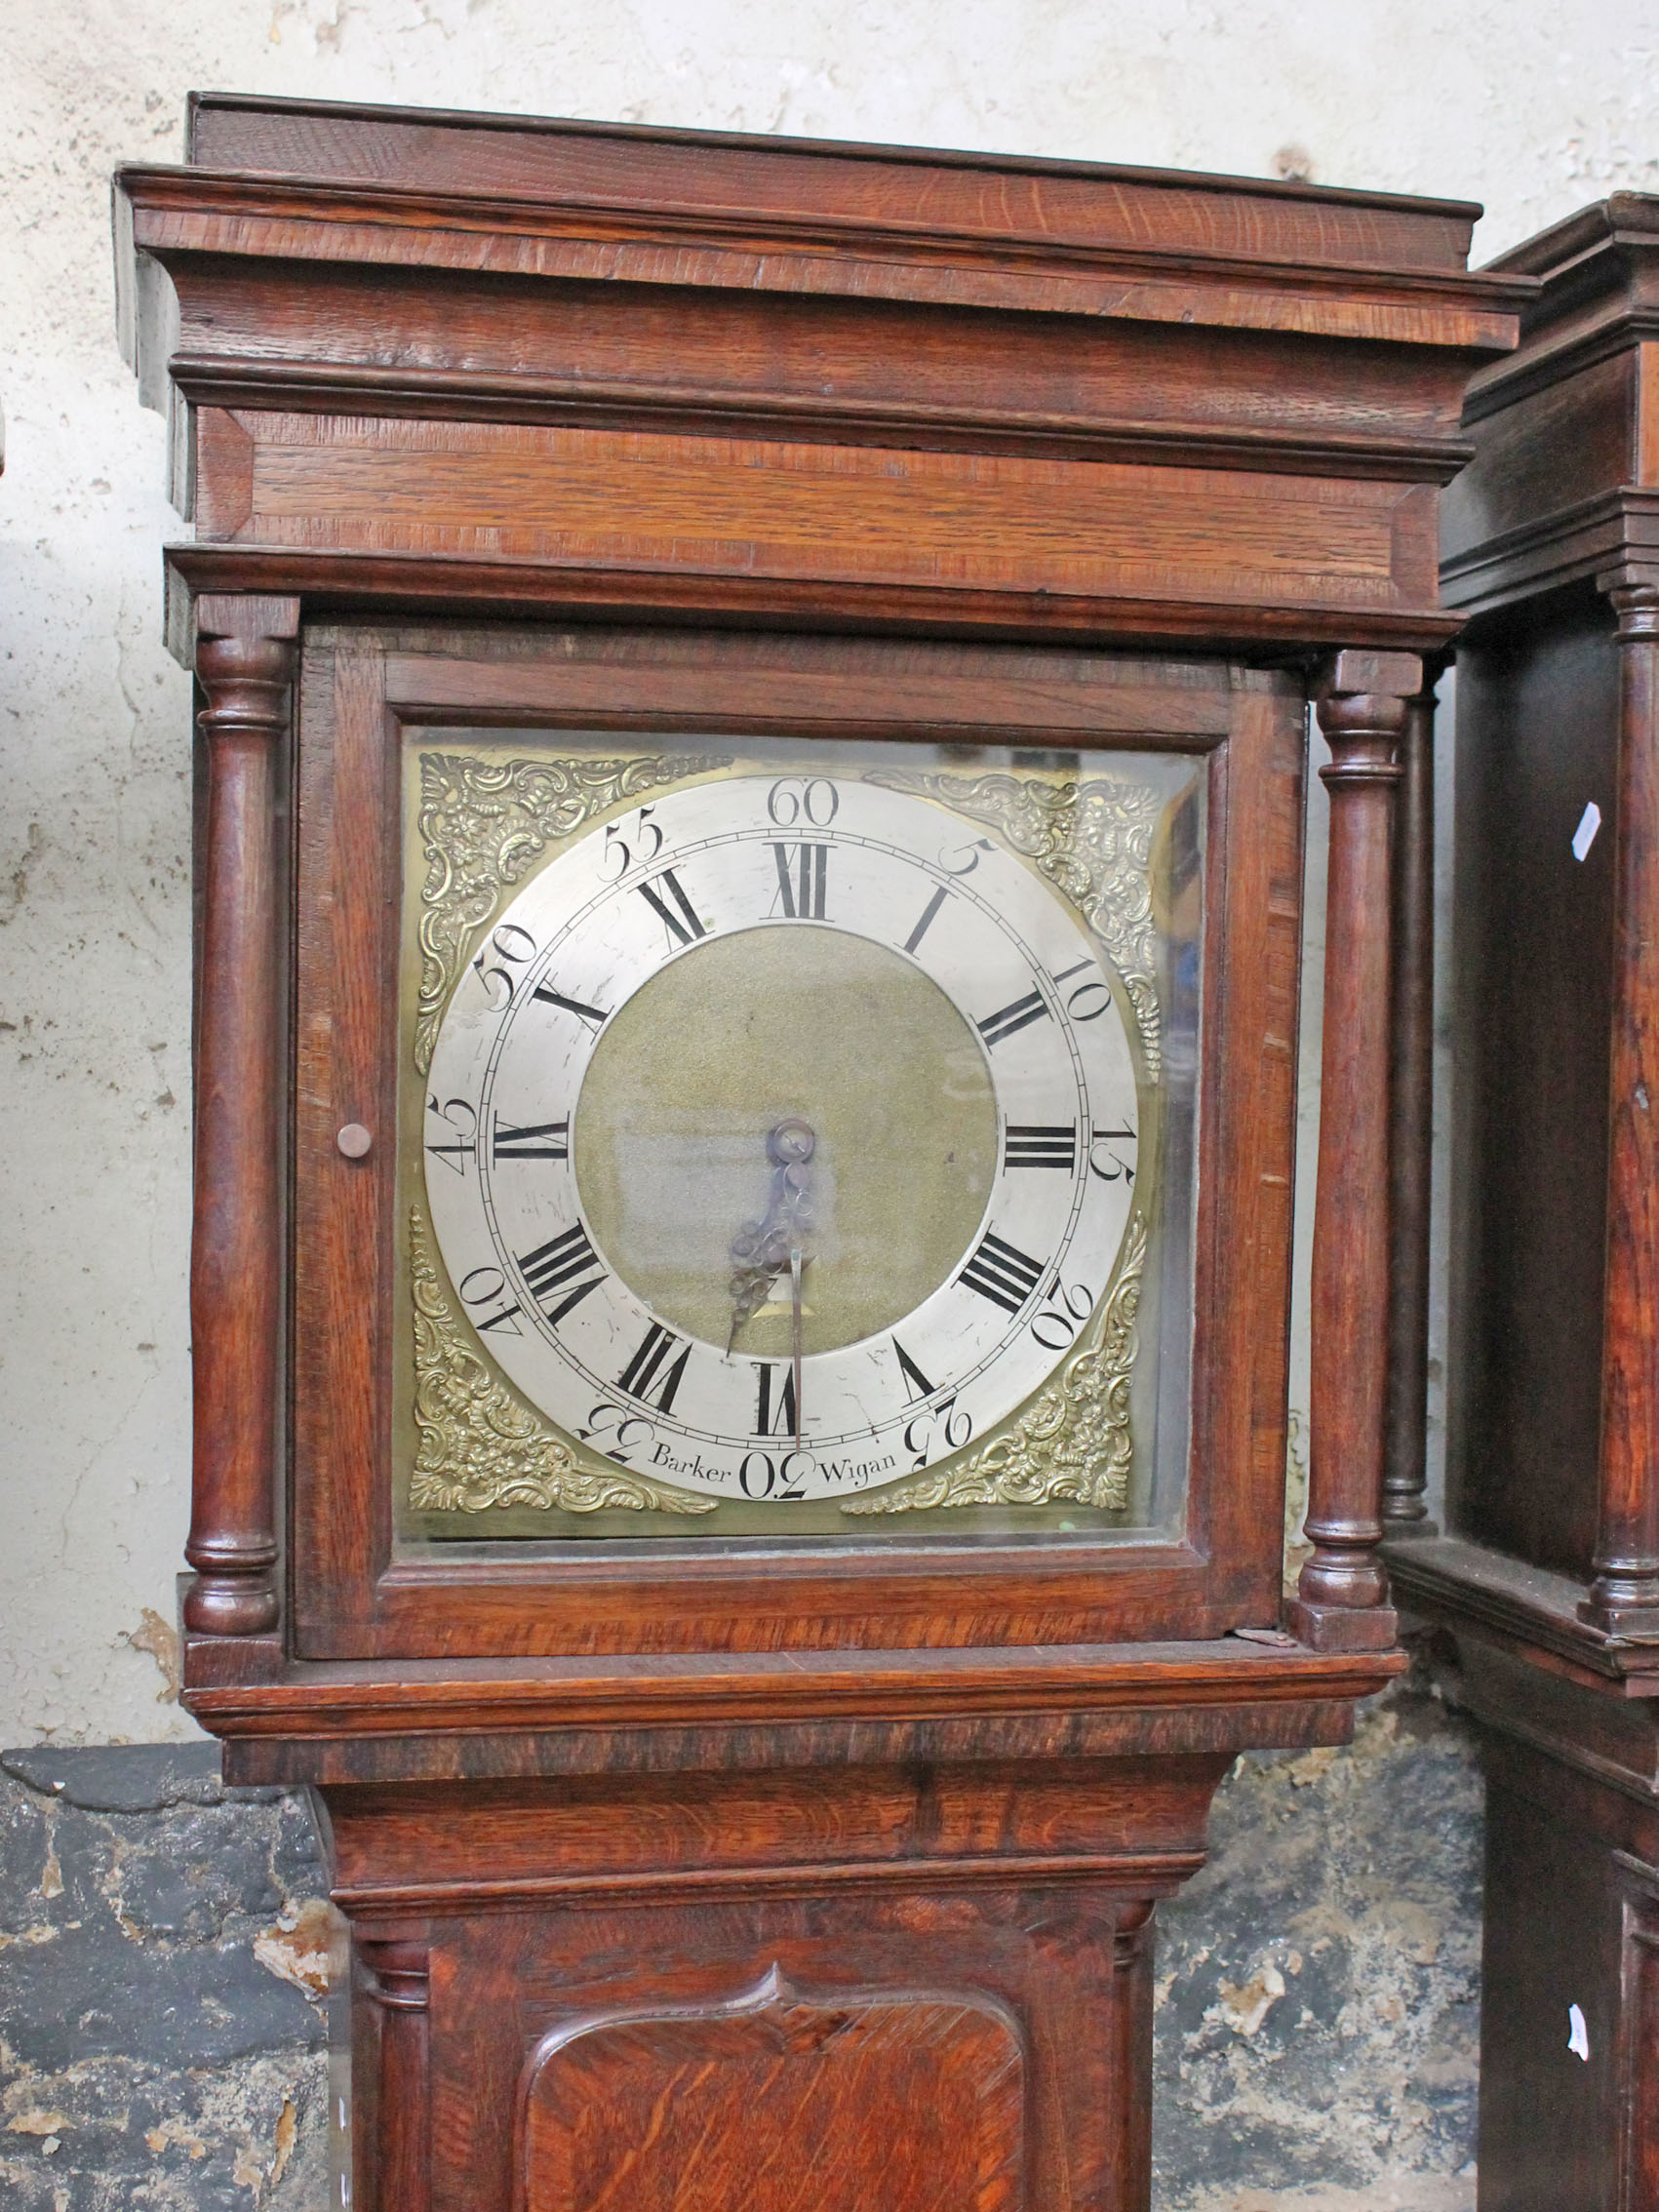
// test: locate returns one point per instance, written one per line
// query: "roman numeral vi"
(775, 1409)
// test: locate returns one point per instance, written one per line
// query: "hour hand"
(759, 1256)
(761, 1249)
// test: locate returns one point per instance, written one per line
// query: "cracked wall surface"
(164, 1949)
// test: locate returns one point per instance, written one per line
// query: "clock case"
(504, 423)
(1544, 1585)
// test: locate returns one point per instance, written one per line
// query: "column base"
(1640, 1623)
(1343, 1628)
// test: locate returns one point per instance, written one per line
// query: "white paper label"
(1583, 837)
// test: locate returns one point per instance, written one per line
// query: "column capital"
(1353, 674)
(1636, 602)
(1361, 700)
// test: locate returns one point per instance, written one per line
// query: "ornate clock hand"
(761, 1249)
(757, 1259)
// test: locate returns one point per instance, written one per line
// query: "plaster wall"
(1531, 107)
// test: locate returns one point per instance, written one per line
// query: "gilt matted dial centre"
(781, 1137)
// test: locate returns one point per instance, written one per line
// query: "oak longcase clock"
(1544, 1585)
(754, 712)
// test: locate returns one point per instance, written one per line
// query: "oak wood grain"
(345, 1062)
(1242, 1282)
(171, 214)
(983, 193)
(764, 2100)
(1573, 1813)
(479, 586)
(766, 509)
(1534, 1967)
(1540, 455)
(978, 359)
(611, 1833)
(392, 2123)
(1044, 1967)
(1636, 2101)
(1531, 1609)
(1542, 1598)
(1537, 743)
(594, 352)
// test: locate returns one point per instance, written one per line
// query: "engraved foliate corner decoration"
(1093, 842)
(484, 825)
(478, 1445)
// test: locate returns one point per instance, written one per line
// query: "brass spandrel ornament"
(484, 824)
(480, 1445)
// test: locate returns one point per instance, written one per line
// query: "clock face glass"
(795, 1138)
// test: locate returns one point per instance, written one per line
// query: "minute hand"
(796, 1263)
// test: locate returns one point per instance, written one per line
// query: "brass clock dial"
(781, 1136)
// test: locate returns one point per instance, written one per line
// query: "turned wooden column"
(1412, 1102)
(1624, 1597)
(245, 656)
(392, 2124)
(1134, 1949)
(1342, 1596)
